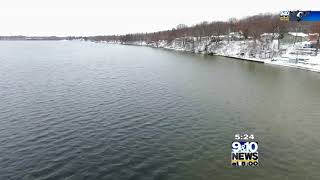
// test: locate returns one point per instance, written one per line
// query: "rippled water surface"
(79, 110)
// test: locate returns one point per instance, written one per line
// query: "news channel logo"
(244, 153)
(298, 16)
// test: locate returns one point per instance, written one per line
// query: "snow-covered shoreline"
(249, 50)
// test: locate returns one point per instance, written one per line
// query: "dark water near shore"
(76, 110)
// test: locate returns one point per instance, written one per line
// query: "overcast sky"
(106, 17)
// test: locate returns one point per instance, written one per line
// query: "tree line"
(251, 27)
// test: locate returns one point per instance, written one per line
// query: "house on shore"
(235, 36)
(294, 37)
(269, 37)
(313, 38)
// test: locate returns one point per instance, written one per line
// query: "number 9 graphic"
(236, 147)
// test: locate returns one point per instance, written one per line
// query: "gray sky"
(105, 17)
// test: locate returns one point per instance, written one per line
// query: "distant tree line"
(34, 38)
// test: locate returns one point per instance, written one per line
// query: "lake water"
(80, 110)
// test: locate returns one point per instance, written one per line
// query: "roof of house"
(299, 34)
(236, 34)
(269, 34)
(313, 34)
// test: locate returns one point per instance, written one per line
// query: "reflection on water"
(84, 110)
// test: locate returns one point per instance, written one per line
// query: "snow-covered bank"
(295, 55)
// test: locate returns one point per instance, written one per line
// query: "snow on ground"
(309, 67)
(298, 55)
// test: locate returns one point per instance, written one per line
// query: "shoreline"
(276, 61)
(240, 58)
